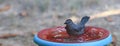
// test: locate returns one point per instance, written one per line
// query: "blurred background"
(21, 19)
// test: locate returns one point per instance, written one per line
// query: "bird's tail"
(84, 20)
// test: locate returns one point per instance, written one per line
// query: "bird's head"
(68, 21)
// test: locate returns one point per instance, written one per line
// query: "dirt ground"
(20, 19)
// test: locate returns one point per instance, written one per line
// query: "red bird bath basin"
(57, 36)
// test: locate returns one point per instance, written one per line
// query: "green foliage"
(71, 4)
(77, 4)
(43, 4)
(1, 1)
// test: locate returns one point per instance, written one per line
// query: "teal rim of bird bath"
(101, 42)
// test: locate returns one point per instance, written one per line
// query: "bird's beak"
(65, 23)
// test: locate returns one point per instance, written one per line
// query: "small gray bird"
(76, 29)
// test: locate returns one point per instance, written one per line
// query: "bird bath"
(59, 36)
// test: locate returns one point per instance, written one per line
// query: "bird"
(76, 29)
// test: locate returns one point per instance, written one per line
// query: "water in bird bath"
(59, 34)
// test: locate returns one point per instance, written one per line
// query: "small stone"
(109, 19)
